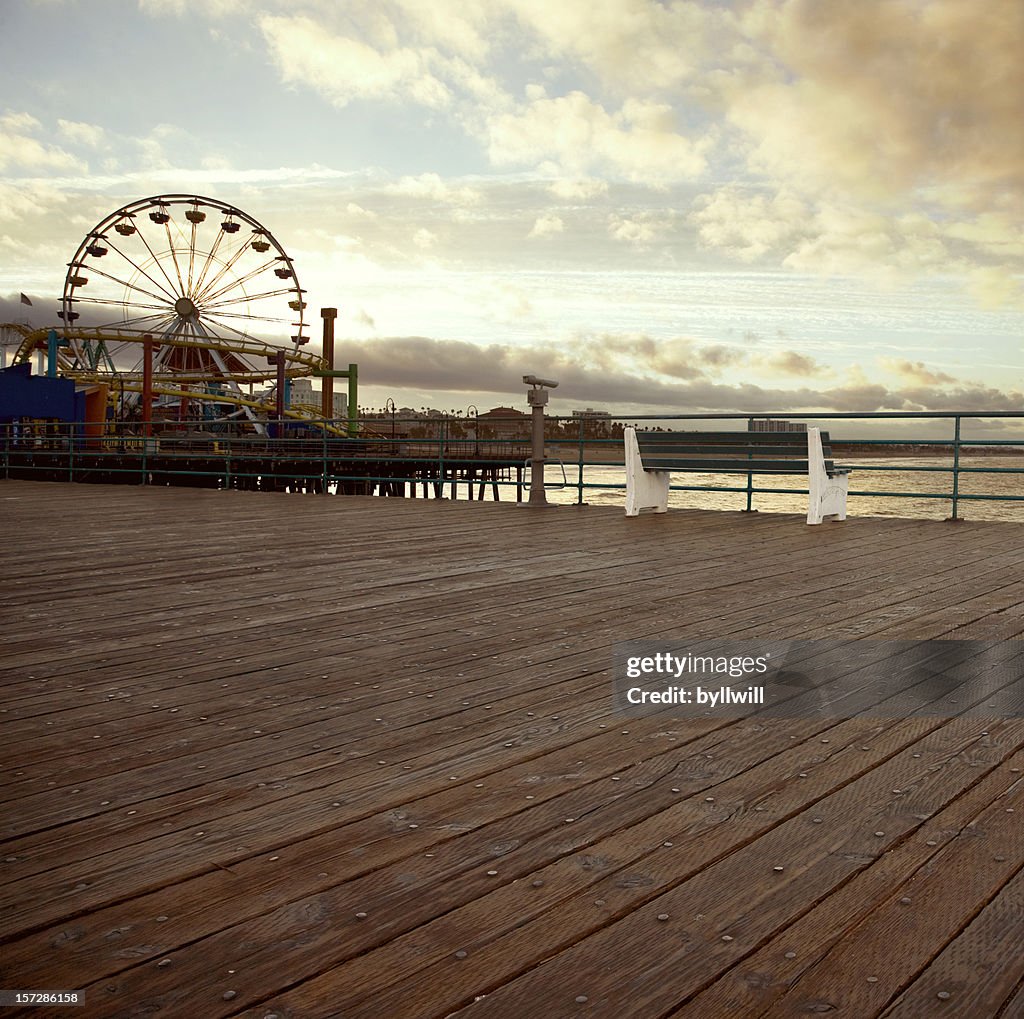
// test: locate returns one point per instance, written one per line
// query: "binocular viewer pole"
(537, 398)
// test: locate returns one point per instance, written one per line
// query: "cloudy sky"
(771, 205)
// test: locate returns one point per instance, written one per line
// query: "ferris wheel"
(209, 283)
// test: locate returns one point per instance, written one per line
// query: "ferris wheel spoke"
(217, 357)
(118, 304)
(244, 315)
(159, 264)
(137, 323)
(230, 329)
(144, 322)
(124, 283)
(174, 256)
(250, 298)
(191, 257)
(205, 293)
(175, 328)
(239, 282)
(138, 268)
(210, 255)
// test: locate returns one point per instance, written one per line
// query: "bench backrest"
(767, 452)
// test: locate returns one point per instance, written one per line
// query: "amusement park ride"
(175, 307)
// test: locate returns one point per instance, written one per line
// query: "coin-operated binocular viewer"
(537, 398)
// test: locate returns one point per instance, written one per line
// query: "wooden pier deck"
(302, 756)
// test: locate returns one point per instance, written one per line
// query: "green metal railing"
(393, 455)
(955, 445)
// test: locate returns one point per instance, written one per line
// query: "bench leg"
(648, 491)
(828, 499)
(644, 489)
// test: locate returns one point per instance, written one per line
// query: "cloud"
(719, 355)
(358, 212)
(19, 149)
(345, 69)
(459, 26)
(578, 189)
(424, 239)
(996, 287)
(634, 46)
(574, 134)
(918, 372)
(881, 97)
(39, 313)
(546, 225)
(361, 317)
(29, 198)
(877, 138)
(789, 362)
(79, 133)
(424, 364)
(748, 224)
(430, 185)
(640, 230)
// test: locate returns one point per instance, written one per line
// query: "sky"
(766, 206)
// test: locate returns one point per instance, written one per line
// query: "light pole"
(475, 426)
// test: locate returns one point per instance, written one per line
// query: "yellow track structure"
(298, 362)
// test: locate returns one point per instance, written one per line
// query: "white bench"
(652, 456)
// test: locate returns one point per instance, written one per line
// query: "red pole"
(327, 382)
(147, 385)
(279, 359)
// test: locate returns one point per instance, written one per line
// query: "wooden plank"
(706, 890)
(895, 944)
(789, 960)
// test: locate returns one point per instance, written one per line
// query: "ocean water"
(897, 477)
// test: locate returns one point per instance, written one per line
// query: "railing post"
(71, 452)
(956, 470)
(439, 488)
(323, 453)
(579, 470)
(750, 477)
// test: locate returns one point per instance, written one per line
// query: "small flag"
(25, 300)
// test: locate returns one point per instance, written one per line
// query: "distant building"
(504, 423)
(595, 422)
(776, 425)
(302, 394)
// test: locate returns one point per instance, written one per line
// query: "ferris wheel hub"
(184, 307)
